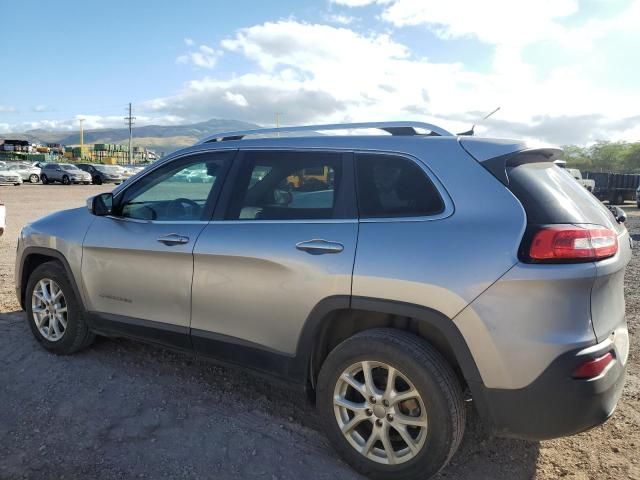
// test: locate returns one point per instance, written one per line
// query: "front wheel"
(54, 312)
(391, 405)
(33, 178)
(45, 180)
(65, 180)
(97, 181)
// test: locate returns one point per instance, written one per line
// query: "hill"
(156, 137)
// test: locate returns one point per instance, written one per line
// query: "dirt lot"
(126, 410)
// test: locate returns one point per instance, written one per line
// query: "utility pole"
(278, 122)
(130, 120)
(81, 138)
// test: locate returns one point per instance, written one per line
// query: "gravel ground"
(123, 410)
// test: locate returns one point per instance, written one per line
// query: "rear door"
(137, 264)
(285, 242)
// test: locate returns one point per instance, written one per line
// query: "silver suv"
(390, 275)
(65, 173)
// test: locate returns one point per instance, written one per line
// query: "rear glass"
(550, 194)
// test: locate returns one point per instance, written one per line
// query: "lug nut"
(385, 403)
(369, 412)
(379, 423)
(372, 399)
(390, 417)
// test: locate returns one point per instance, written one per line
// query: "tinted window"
(549, 195)
(390, 186)
(180, 191)
(287, 186)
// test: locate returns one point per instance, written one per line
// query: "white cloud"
(203, 57)
(341, 19)
(189, 42)
(41, 108)
(236, 99)
(7, 109)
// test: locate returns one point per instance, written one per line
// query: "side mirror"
(101, 205)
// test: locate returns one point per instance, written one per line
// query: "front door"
(286, 242)
(137, 264)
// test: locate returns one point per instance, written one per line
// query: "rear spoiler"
(496, 157)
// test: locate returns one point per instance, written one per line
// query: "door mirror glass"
(101, 205)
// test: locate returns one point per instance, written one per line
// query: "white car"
(26, 171)
(3, 217)
(9, 176)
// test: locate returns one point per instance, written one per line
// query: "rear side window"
(287, 186)
(392, 186)
(550, 194)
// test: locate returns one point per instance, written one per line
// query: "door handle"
(173, 239)
(319, 246)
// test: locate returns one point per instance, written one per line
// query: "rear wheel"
(97, 181)
(54, 312)
(33, 178)
(65, 180)
(45, 180)
(391, 405)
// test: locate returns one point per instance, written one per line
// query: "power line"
(130, 120)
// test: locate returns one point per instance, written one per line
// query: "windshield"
(107, 168)
(67, 166)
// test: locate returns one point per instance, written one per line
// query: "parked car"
(516, 301)
(3, 218)
(577, 175)
(638, 196)
(102, 173)
(27, 172)
(65, 173)
(9, 176)
(587, 183)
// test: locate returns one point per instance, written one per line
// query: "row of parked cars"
(17, 173)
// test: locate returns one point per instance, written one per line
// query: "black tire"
(45, 180)
(97, 181)
(33, 178)
(65, 180)
(431, 375)
(17, 184)
(77, 334)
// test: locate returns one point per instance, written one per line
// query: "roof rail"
(394, 128)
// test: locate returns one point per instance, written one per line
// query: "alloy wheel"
(49, 309)
(380, 412)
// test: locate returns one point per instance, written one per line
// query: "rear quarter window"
(392, 186)
(549, 195)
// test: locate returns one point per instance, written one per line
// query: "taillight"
(594, 367)
(558, 243)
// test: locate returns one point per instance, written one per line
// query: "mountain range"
(161, 138)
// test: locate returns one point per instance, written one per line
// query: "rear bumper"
(555, 404)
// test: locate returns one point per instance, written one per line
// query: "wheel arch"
(315, 343)
(336, 318)
(32, 258)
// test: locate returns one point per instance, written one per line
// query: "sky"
(561, 71)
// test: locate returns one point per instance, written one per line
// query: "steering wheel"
(176, 208)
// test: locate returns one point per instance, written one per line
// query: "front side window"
(287, 186)
(391, 186)
(183, 190)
